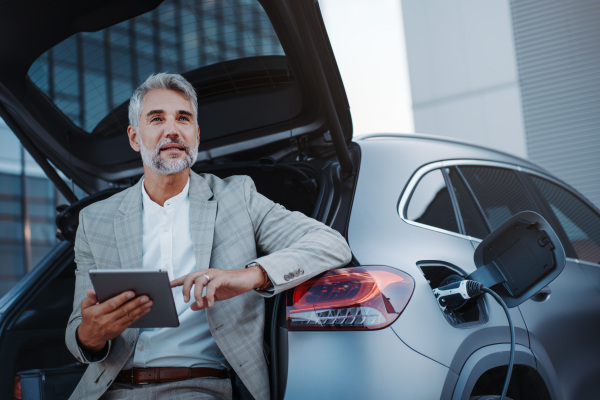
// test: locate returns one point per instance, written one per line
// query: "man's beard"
(171, 165)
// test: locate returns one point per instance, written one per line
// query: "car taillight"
(354, 298)
(17, 388)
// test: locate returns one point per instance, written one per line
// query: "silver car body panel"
(378, 234)
(565, 303)
(360, 365)
(564, 329)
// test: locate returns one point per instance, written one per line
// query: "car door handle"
(542, 295)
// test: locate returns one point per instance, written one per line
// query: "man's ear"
(134, 141)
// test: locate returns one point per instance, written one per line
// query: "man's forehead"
(166, 100)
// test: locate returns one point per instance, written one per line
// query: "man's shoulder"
(219, 185)
(107, 206)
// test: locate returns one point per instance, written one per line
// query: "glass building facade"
(88, 75)
(28, 203)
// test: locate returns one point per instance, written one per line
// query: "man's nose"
(171, 129)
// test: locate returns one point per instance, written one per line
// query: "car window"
(430, 203)
(28, 203)
(471, 214)
(579, 221)
(498, 192)
(90, 73)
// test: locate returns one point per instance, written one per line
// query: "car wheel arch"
(488, 360)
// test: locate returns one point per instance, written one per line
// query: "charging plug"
(454, 295)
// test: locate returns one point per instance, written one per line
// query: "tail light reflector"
(354, 298)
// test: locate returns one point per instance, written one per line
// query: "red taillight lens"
(355, 298)
(17, 388)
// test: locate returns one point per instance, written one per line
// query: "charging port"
(438, 273)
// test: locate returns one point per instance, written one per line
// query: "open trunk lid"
(264, 71)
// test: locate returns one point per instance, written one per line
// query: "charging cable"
(454, 295)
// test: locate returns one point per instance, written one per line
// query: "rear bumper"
(360, 365)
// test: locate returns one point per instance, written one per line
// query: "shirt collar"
(176, 200)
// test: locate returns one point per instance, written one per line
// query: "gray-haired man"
(204, 231)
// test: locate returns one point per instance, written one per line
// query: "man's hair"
(155, 82)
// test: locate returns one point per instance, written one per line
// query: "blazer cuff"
(92, 358)
(269, 290)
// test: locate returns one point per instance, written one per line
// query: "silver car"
(272, 105)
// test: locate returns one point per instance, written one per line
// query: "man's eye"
(184, 118)
(155, 119)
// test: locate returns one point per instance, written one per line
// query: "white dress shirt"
(167, 245)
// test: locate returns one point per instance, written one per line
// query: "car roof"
(451, 145)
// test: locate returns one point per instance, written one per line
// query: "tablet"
(155, 284)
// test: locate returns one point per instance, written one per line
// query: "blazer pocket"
(237, 325)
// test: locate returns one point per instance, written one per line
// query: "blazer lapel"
(203, 212)
(128, 229)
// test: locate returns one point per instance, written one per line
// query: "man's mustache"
(178, 141)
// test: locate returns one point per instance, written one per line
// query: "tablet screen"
(155, 284)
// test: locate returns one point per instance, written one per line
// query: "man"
(206, 232)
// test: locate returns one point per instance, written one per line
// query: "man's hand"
(101, 322)
(220, 284)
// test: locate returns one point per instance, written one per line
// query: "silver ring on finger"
(207, 278)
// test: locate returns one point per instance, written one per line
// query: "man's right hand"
(101, 322)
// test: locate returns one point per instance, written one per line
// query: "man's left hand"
(220, 284)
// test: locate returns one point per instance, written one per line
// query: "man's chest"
(166, 239)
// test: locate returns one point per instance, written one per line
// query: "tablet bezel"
(155, 284)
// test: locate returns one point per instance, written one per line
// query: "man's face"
(168, 134)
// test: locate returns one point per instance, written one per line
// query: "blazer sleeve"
(85, 262)
(297, 247)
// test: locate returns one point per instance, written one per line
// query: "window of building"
(579, 221)
(91, 71)
(28, 203)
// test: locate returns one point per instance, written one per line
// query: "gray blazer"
(230, 224)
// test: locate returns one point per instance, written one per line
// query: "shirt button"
(141, 348)
(166, 229)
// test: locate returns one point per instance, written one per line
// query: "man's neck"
(161, 188)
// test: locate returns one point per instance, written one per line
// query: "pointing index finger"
(187, 281)
(177, 282)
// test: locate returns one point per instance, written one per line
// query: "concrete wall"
(558, 57)
(463, 72)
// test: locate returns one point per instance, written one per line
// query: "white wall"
(463, 71)
(368, 41)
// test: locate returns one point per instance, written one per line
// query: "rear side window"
(430, 203)
(580, 222)
(499, 193)
(470, 212)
